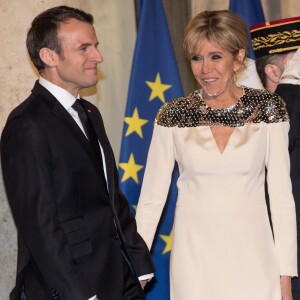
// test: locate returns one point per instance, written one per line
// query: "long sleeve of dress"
(156, 182)
(281, 200)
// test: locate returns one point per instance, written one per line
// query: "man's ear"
(273, 72)
(48, 56)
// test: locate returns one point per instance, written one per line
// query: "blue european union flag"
(154, 80)
(251, 12)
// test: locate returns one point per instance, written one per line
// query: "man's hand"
(286, 288)
(143, 283)
(292, 69)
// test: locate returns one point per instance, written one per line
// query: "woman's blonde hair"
(221, 26)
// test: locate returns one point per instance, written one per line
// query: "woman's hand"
(286, 287)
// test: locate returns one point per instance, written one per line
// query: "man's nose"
(97, 56)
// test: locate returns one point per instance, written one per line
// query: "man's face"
(286, 59)
(76, 67)
(274, 69)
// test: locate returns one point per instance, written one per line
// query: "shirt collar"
(64, 97)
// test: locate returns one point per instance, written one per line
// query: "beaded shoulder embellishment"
(254, 106)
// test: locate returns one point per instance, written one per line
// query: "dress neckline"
(223, 110)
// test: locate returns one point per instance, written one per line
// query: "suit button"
(55, 294)
(116, 237)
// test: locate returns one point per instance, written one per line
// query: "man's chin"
(90, 83)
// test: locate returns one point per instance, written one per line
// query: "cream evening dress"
(223, 247)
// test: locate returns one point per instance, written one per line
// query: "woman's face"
(214, 68)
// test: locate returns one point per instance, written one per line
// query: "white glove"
(292, 68)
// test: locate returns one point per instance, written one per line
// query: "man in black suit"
(276, 46)
(77, 239)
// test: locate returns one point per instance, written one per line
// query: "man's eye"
(83, 48)
(196, 58)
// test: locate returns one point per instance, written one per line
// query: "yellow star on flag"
(135, 123)
(130, 169)
(168, 240)
(158, 88)
(134, 207)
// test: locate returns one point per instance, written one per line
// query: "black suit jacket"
(291, 95)
(70, 228)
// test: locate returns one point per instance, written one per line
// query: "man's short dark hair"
(261, 62)
(44, 31)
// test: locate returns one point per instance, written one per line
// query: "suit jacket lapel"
(65, 118)
(112, 176)
(97, 122)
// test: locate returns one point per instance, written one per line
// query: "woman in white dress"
(224, 137)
